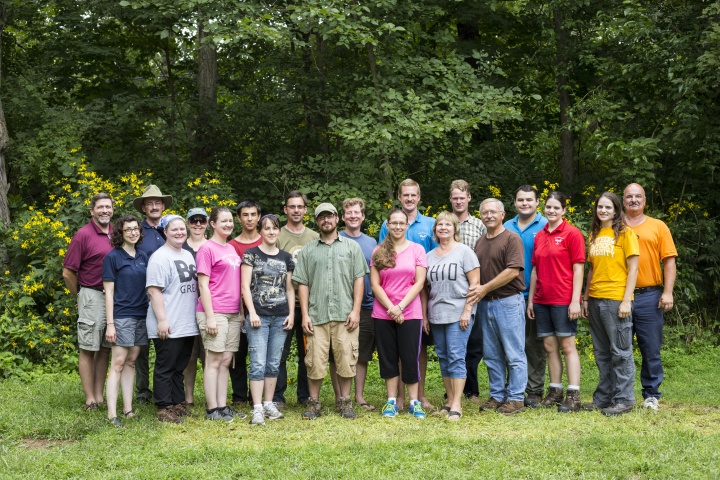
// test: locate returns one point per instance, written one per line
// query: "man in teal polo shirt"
(330, 273)
(526, 224)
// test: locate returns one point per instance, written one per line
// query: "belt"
(99, 289)
(490, 298)
(638, 291)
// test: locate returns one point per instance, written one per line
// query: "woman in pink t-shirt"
(554, 299)
(397, 277)
(219, 312)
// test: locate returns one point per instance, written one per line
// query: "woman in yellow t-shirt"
(613, 254)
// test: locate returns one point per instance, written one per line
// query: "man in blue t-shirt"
(527, 223)
(354, 216)
(420, 230)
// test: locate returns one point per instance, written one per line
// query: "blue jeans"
(648, 322)
(503, 326)
(265, 344)
(612, 346)
(451, 346)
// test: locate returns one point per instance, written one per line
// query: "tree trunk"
(4, 136)
(567, 138)
(385, 163)
(207, 95)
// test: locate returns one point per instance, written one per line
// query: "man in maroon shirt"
(82, 272)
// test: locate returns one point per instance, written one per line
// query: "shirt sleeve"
(470, 260)
(667, 245)
(157, 274)
(203, 260)
(108, 268)
(249, 258)
(300, 273)
(420, 256)
(289, 264)
(514, 253)
(630, 243)
(74, 253)
(383, 232)
(577, 247)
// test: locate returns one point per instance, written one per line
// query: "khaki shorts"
(345, 348)
(228, 336)
(91, 320)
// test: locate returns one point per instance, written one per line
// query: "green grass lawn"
(45, 434)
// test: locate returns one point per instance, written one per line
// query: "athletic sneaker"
(390, 410)
(233, 413)
(218, 415)
(271, 412)
(258, 417)
(652, 403)
(417, 411)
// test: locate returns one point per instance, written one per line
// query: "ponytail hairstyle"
(384, 256)
(618, 223)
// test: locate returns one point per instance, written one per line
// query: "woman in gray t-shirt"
(452, 269)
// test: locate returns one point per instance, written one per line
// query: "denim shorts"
(553, 321)
(265, 344)
(130, 332)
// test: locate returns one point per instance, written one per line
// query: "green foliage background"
(346, 99)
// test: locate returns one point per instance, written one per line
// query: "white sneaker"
(258, 417)
(651, 402)
(271, 412)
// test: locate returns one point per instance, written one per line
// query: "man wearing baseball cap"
(152, 203)
(330, 273)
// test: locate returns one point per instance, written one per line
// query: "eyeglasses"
(487, 213)
(397, 224)
(131, 230)
(200, 220)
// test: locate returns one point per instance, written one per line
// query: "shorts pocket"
(355, 352)
(309, 351)
(86, 331)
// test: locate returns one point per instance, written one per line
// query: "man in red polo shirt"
(82, 272)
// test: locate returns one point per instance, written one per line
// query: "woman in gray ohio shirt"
(452, 268)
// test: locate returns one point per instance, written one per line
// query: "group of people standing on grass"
(509, 292)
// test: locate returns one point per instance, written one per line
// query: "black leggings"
(398, 342)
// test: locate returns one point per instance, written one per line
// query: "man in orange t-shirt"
(653, 290)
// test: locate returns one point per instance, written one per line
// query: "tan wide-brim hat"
(152, 191)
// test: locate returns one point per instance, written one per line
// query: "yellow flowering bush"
(38, 316)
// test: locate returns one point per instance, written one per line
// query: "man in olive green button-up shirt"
(331, 273)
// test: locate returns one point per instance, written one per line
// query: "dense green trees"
(347, 98)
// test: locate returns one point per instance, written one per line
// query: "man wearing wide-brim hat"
(152, 203)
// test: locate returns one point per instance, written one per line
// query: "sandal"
(454, 416)
(90, 406)
(115, 422)
(130, 414)
(367, 406)
(444, 410)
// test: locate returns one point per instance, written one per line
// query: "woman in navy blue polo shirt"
(126, 307)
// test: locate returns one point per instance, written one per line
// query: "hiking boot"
(168, 415)
(510, 407)
(533, 400)
(390, 410)
(182, 410)
(217, 414)
(617, 409)
(346, 410)
(312, 410)
(491, 404)
(417, 411)
(651, 403)
(553, 397)
(474, 399)
(258, 416)
(592, 406)
(271, 412)
(279, 405)
(232, 413)
(571, 402)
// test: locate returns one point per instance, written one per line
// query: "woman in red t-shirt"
(554, 299)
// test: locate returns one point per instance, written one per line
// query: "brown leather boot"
(553, 397)
(571, 402)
